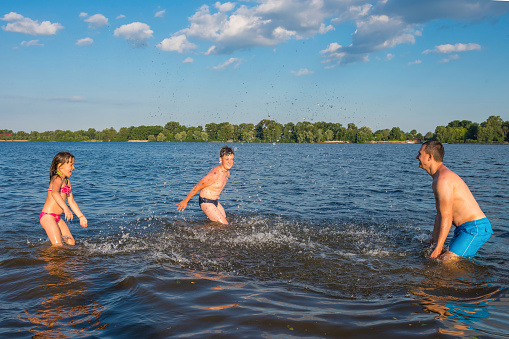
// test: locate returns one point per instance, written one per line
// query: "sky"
(413, 64)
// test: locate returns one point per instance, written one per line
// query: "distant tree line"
(494, 129)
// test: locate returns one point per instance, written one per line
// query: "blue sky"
(412, 64)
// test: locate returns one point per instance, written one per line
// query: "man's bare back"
(455, 205)
(464, 206)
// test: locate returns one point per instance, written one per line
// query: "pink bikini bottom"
(56, 216)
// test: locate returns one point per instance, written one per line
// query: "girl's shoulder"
(64, 181)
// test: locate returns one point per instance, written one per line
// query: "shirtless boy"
(455, 205)
(211, 187)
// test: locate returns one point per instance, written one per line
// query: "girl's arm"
(76, 210)
(55, 193)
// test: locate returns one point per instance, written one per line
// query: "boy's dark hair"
(436, 149)
(225, 150)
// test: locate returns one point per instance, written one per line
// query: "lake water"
(325, 241)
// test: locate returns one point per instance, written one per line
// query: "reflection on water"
(65, 312)
(457, 292)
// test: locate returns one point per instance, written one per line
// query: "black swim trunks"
(207, 201)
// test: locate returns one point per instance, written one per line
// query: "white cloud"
(448, 48)
(176, 43)
(137, 33)
(374, 33)
(282, 34)
(232, 61)
(31, 43)
(302, 71)
(226, 7)
(83, 15)
(211, 50)
(450, 58)
(121, 16)
(353, 13)
(97, 21)
(324, 29)
(267, 23)
(333, 47)
(160, 14)
(188, 60)
(416, 62)
(85, 42)
(389, 56)
(380, 25)
(20, 24)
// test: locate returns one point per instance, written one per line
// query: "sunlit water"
(325, 240)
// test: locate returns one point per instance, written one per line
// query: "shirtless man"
(211, 187)
(455, 205)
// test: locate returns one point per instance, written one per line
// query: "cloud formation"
(85, 42)
(31, 43)
(380, 26)
(96, 21)
(459, 47)
(178, 43)
(302, 71)
(137, 33)
(160, 14)
(20, 24)
(232, 61)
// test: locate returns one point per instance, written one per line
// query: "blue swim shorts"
(470, 236)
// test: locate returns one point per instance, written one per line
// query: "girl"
(58, 193)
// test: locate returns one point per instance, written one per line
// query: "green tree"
(288, 133)
(351, 133)
(269, 130)
(161, 137)
(396, 134)
(329, 135)
(364, 134)
(181, 136)
(491, 130)
(123, 134)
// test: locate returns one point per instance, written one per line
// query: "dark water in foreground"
(324, 241)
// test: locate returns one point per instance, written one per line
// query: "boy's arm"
(207, 180)
(443, 221)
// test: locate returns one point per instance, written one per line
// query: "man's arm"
(443, 221)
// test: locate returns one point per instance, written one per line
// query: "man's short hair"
(436, 149)
(225, 150)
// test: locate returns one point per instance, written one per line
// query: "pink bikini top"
(66, 189)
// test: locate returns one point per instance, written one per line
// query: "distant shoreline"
(243, 142)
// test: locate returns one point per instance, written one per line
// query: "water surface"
(325, 240)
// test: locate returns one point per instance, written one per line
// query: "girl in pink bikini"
(59, 193)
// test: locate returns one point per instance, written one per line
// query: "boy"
(211, 187)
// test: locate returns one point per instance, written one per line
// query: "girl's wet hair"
(59, 159)
(225, 150)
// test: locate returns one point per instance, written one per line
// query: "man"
(455, 205)
(211, 187)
